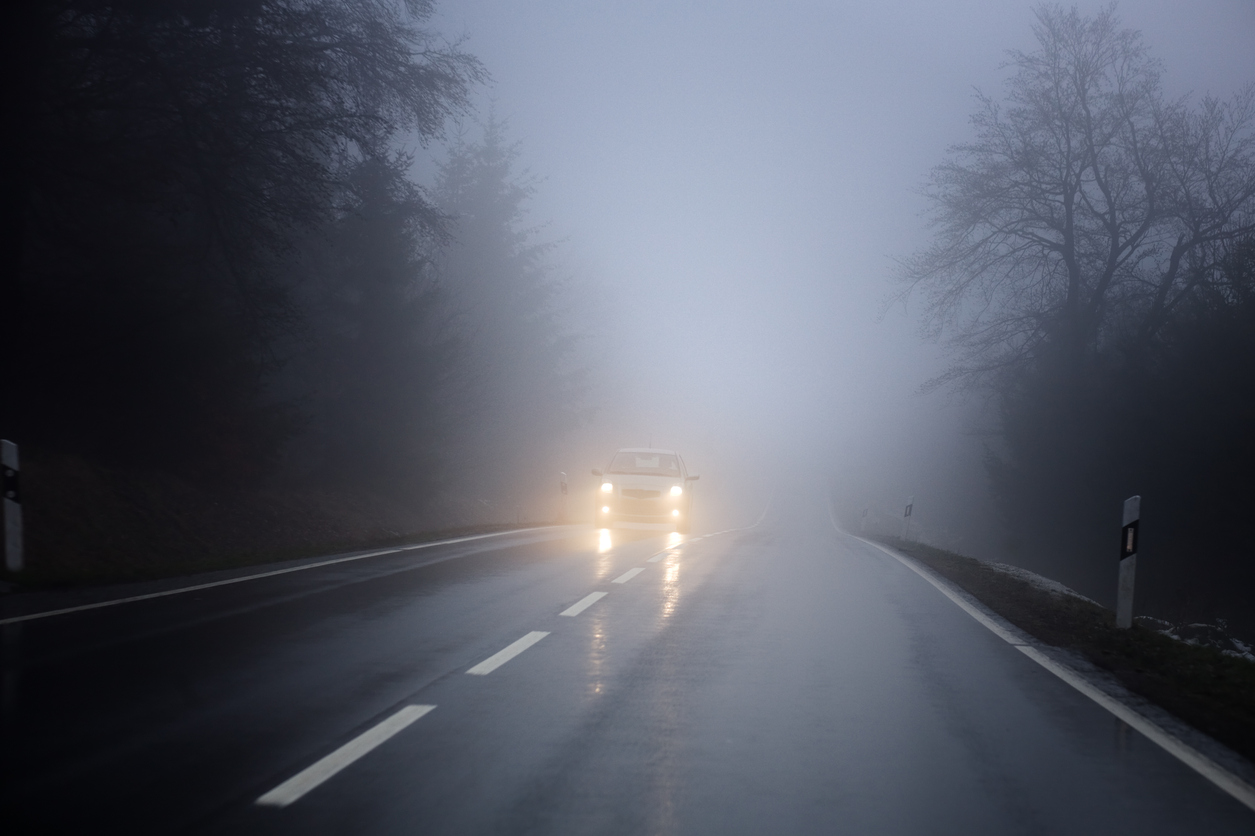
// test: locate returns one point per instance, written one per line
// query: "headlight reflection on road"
(674, 539)
(671, 587)
(596, 655)
(603, 554)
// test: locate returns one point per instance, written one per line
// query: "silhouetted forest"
(228, 278)
(1093, 271)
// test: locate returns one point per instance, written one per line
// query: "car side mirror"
(596, 472)
(691, 478)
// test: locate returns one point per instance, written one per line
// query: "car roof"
(644, 450)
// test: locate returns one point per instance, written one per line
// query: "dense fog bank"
(363, 269)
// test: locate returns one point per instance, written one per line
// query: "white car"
(647, 486)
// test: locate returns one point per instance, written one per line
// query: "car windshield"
(646, 464)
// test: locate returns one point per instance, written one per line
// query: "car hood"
(657, 483)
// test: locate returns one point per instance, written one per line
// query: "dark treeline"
(511, 413)
(226, 274)
(1094, 271)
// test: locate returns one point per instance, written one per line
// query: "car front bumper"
(627, 509)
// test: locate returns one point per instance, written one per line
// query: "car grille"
(641, 507)
(637, 493)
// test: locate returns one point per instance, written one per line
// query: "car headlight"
(676, 490)
(606, 487)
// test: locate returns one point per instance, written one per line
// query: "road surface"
(781, 678)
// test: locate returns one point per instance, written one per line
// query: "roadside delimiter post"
(906, 518)
(562, 488)
(1128, 561)
(11, 489)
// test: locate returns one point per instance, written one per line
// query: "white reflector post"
(1128, 561)
(11, 488)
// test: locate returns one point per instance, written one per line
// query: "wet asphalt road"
(779, 679)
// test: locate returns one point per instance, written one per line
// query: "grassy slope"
(86, 525)
(1211, 691)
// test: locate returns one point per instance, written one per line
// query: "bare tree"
(1086, 207)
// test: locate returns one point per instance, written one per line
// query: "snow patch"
(1200, 635)
(1036, 580)
(1242, 649)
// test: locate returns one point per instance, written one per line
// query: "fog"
(731, 186)
(325, 319)
(557, 229)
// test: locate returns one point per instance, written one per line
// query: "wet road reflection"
(597, 656)
(671, 587)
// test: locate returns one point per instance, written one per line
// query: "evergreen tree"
(518, 391)
(377, 352)
(171, 155)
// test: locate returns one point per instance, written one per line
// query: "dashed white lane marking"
(583, 604)
(628, 575)
(310, 777)
(504, 655)
(317, 773)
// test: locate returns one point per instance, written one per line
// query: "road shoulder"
(1020, 614)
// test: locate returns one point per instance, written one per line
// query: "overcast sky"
(735, 180)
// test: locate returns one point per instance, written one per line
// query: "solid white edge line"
(507, 653)
(318, 772)
(766, 508)
(994, 627)
(583, 604)
(628, 575)
(1182, 751)
(764, 513)
(114, 602)
(1179, 749)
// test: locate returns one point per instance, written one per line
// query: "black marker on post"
(906, 517)
(11, 489)
(1128, 561)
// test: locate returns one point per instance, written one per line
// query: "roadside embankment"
(1204, 686)
(86, 524)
